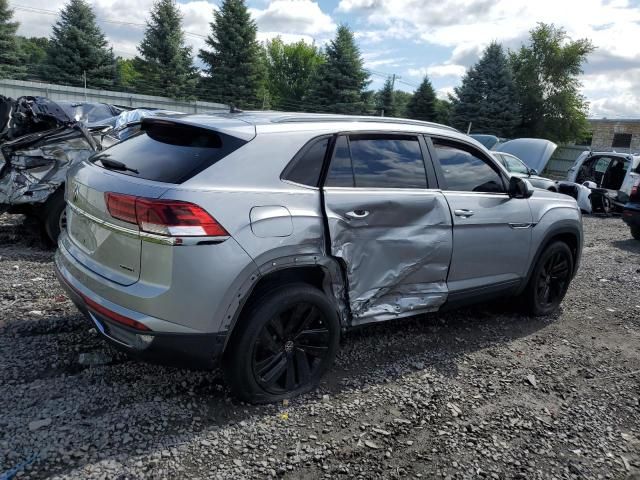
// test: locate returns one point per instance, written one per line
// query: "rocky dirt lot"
(479, 393)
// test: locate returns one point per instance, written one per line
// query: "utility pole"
(84, 78)
(393, 81)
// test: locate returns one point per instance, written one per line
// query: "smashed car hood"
(534, 152)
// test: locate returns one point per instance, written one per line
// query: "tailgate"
(105, 245)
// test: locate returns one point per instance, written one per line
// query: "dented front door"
(392, 233)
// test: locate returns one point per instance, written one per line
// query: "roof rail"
(355, 118)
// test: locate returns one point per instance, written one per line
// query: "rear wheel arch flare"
(317, 276)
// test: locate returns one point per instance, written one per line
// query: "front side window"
(378, 161)
(514, 165)
(465, 170)
(383, 161)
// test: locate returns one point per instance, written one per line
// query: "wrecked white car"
(613, 173)
(40, 139)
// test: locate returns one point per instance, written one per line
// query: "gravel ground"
(478, 393)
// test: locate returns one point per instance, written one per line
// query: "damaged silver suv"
(256, 238)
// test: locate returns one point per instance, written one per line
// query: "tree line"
(532, 91)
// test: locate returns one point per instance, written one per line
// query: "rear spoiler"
(223, 125)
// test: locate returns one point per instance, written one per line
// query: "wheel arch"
(320, 272)
(566, 233)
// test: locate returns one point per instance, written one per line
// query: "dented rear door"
(391, 231)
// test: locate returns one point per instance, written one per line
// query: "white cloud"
(468, 26)
(440, 70)
(294, 16)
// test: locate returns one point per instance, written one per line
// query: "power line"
(44, 11)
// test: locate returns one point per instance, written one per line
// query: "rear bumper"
(185, 349)
(631, 214)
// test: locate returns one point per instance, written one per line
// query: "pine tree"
(341, 81)
(78, 47)
(386, 99)
(233, 63)
(487, 97)
(11, 63)
(422, 105)
(165, 65)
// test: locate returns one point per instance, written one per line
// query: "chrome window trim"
(147, 237)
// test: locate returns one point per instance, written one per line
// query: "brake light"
(122, 207)
(634, 190)
(172, 218)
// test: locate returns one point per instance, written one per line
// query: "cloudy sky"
(409, 38)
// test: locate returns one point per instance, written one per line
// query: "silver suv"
(256, 238)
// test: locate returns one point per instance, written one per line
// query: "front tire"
(286, 341)
(550, 280)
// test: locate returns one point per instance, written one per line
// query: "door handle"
(463, 212)
(356, 214)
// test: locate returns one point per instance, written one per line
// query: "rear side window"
(378, 161)
(341, 172)
(306, 166)
(169, 152)
(466, 170)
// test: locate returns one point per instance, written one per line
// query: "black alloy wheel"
(550, 279)
(553, 279)
(285, 340)
(290, 349)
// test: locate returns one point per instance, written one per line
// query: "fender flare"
(566, 227)
(333, 286)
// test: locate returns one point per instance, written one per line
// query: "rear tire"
(285, 342)
(54, 216)
(635, 232)
(550, 280)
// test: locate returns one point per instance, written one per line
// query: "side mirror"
(519, 188)
(533, 171)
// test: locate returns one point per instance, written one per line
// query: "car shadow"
(198, 401)
(631, 245)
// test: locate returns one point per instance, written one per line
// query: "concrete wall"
(604, 129)
(18, 88)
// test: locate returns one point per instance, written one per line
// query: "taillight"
(172, 218)
(122, 207)
(634, 190)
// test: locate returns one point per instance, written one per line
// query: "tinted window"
(466, 171)
(340, 172)
(169, 152)
(305, 168)
(387, 161)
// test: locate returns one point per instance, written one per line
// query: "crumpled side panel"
(33, 174)
(397, 258)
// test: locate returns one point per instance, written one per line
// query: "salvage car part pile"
(41, 138)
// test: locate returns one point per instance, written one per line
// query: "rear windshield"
(169, 152)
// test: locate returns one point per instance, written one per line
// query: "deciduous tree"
(290, 71)
(546, 75)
